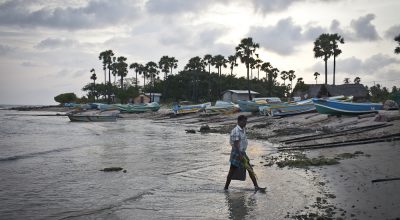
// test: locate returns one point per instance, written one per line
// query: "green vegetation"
(66, 97)
(198, 83)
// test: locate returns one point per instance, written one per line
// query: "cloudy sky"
(48, 47)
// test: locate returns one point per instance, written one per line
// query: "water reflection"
(240, 204)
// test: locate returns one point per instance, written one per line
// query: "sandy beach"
(329, 178)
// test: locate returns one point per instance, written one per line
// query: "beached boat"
(93, 116)
(335, 107)
(222, 107)
(255, 104)
(289, 109)
(138, 108)
(184, 109)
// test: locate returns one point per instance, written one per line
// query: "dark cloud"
(54, 43)
(97, 13)
(268, 6)
(363, 29)
(285, 36)
(392, 32)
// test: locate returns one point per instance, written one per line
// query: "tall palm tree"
(323, 48)
(266, 67)
(195, 65)
(284, 76)
(173, 63)
(121, 69)
(94, 77)
(258, 65)
(135, 66)
(163, 64)
(336, 38)
(397, 49)
(291, 77)
(106, 57)
(207, 60)
(252, 66)
(152, 70)
(245, 51)
(142, 71)
(219, 61)
(232, 62)
(316, 74)
(357, 80)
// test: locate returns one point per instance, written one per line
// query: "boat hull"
(345, 108)
(92, 118)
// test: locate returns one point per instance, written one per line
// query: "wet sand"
(343, 190)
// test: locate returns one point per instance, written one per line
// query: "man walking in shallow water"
(238, 158)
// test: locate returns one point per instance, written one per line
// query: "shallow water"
(49, 168)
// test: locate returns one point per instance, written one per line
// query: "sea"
(50, 168)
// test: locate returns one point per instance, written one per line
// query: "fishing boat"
(222, 107)
(335, 107)
(255, 104)
(138, 108)
(93, 116)
(289, 109)
(184, 109)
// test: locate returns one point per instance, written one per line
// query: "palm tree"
(245, 51)
(258, 65)
(173, 63)
(163, 64)
(291, 77)
(397, 49)
(323, 48)
(346, 80)
(284, 76)
(94, 77)
(121, 69)
(252, 66)
(267, 68)
(357, 80)
(232, 62)
(195, 65)
(106, 56)
(316, 74)
(143, 71)
(207, 60)
(152, 71)
(336, 51)
(135, 66)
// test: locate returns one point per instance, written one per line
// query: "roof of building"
(155, 94)
(242, 92)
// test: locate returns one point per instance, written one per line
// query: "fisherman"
(239, 158)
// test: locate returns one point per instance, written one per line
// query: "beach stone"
(390, 105)
(205, 128)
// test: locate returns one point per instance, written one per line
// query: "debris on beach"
(113, 169)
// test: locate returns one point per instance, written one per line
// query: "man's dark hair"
(241, 118)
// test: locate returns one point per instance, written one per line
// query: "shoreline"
(341, 176)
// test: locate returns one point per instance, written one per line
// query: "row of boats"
(273, 106)
(269, 106)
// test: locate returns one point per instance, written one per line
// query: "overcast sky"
(47, 47)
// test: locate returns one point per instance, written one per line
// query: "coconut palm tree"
(323, 48)
(135, 66)
(335, 39)
(219, 61)
(106, 57)
(291, 77)
(316, 74)
(232, 62)
(258, 65)
(173, 63)
(284, 76)
(267, 68)
(397, 49)
(152, 70)
(357, 80)
(245, 51)
(121, 69)
(94, 77)
(207, 60)
(163, 64)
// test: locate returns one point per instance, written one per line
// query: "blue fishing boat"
(335, 107)
(255, 104)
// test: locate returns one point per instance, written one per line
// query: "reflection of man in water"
(238, 141)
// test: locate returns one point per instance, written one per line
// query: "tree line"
(197, 81)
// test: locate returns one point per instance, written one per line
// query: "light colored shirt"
(238, 134)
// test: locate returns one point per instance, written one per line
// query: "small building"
(141, 99)
(234, 95)
(155, 97)
(358, 91)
